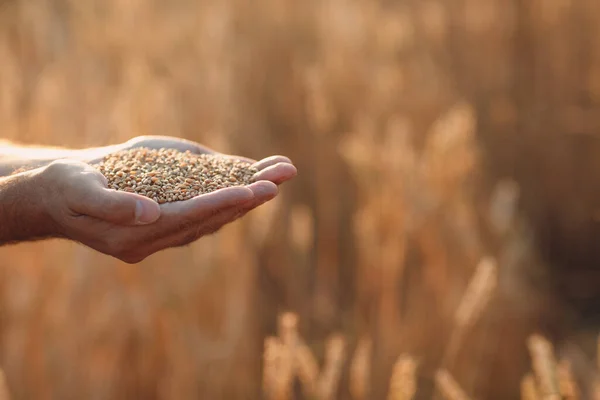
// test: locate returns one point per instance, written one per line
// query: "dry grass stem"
(568, 387)
(4, 391)
(288, 336)
(270, 366)
(302, 228)
(544, 366)
(307, 368)
(596, 390)
(479, 291)
(284, 383)
(360, 369)
(529, 389)
(288, 330)
(403, 383)
(448, 387)
(503, 206)
(332, 370)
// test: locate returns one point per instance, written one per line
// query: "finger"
(158, 236)
(201, 206)
(266, 192)
(263, 191)
(172, 224)
(277, 173)
(90, 197)
(269, 161)
(213, 224)
(188, 230)
(181, 215)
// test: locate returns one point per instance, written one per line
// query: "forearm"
(22, 211)
(15, 157)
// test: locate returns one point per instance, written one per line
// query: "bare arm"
(22, 214)
(15, 157)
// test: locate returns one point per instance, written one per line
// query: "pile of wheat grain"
(168, 175)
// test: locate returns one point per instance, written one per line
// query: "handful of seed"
(168, 175)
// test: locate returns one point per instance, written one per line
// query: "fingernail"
(146, 212)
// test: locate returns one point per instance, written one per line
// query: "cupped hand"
(131, 227)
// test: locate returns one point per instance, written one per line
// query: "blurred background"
(441, 240)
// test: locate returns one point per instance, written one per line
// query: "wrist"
(24, 214)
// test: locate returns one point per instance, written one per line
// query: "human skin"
(56, 193)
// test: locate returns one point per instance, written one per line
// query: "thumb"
(118, 207)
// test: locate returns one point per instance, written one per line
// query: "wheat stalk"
(529, 389)
(448, 386)
(568, 386)
(477, 295)
(277, 370)
(307, 368)
(270, 364)
(334, 360)
(544, 366)
(360, 369)
(403, 385)
(4, 392)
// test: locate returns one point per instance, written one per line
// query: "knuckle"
(56, 170)
(111, 203)
(61, 167)
(58, 165)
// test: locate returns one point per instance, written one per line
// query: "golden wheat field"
(440, 241)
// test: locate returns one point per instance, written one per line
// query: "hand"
(131, 227)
